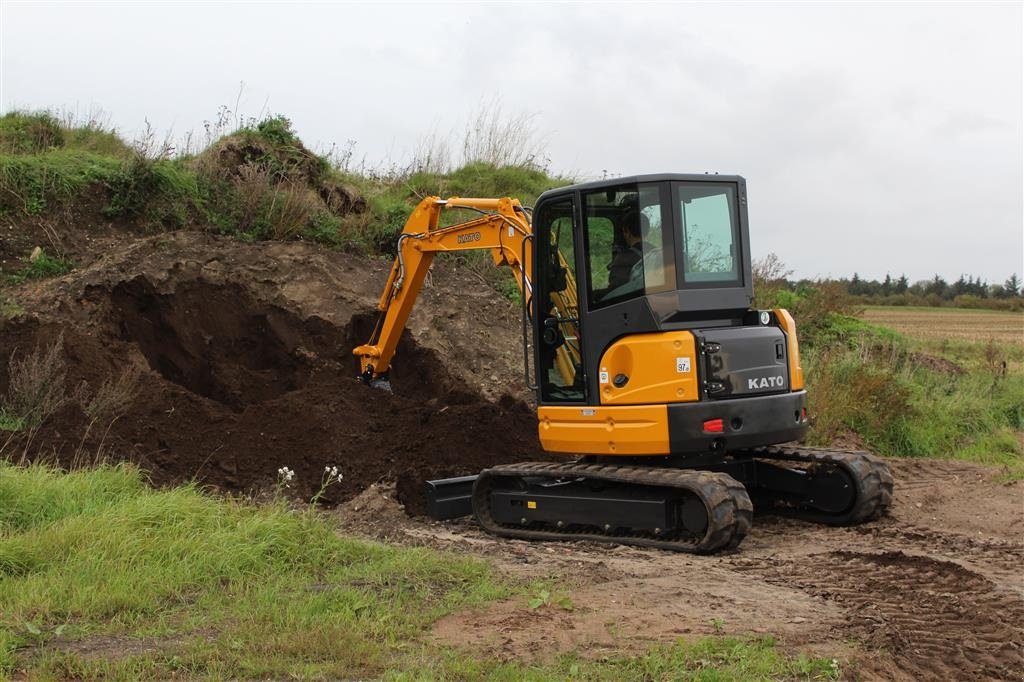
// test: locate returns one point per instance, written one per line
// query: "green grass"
(271, 589)
(872, 381)
(33, 183)
(11, 422)
(180, 582)
(42, 267)
(29, 132)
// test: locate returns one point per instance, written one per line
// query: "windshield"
(629, 251)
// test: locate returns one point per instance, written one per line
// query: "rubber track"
(870, 475)
(729, 508)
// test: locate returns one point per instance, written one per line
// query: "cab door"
(555, 305)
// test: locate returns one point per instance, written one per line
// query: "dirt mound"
(240, 376)
(272, 147)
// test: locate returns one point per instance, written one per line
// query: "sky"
(875, 137)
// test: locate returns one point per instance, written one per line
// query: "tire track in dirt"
(935, 618)
(1001, 560)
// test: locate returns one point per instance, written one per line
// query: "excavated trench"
(234, 387)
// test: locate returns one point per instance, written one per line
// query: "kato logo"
(467, 238)
(765, 382)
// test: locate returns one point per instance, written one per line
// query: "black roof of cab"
(630, 179)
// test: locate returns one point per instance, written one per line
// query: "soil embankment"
(244, 365)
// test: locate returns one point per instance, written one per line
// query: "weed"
(388, 221)
(9, 309)
(11, 422)
(36, 389)
(115, 395)
(41, 266)
(330, 477)
(544, 597)
(325, 227)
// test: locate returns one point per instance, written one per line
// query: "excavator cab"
(666, 346)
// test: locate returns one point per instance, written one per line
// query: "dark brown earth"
(246, 368)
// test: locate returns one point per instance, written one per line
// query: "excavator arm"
(503, 228)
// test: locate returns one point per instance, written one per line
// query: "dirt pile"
(245, 366)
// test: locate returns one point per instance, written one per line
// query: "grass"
(909, 398)
(257, 591)
(42, 266)
(103, 577)
(258, 182)
(33, 183)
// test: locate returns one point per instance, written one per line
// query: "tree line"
(966, 285)
(967, 291)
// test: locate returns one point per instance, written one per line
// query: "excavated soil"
(246, 368)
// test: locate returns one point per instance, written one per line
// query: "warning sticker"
(683, 365)
(604, 375)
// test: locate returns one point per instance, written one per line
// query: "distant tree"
(902, 284)
(936, 286)
(886, 288)
(957, 288)
(1012, 286)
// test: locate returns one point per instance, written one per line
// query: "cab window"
(709, 233)
(629, 250)
(559, 369)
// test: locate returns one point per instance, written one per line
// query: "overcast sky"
(874, 137)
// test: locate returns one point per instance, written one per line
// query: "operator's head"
(634, 226)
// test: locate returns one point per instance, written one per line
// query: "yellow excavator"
(669, 392)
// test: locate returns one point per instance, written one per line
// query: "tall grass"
(900, 402)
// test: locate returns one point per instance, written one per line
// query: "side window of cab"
(556, 304)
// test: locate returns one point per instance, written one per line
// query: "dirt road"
(934, 591)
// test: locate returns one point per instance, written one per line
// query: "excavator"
(676, 403)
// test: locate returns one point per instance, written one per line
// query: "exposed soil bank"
(242, 373)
